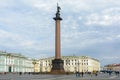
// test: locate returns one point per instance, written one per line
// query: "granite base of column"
(57, 66)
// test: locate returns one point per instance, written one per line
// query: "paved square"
(58, 77)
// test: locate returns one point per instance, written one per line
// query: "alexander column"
(57, 63)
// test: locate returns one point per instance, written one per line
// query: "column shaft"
(57, 40)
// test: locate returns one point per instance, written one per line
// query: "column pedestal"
(57, 66)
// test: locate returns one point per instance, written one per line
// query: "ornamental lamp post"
(78, 66)
(67, 62)
(40, 66)
(34, 62)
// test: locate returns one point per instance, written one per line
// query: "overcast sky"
(89, 28)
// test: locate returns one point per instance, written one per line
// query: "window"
(87, 63)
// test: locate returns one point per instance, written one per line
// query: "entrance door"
(10, 69)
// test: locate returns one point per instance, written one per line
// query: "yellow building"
(72, 64)
(36, 65)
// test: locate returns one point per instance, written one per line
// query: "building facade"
(72, 64)
(113, 67)
(10, 62)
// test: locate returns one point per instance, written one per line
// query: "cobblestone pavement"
(58, 77)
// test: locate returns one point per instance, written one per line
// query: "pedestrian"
(118, 73)
(76, 73)
(109, 73)
(96, 74)
(91, 74)
(82, 74)
(20, 73)
(29, 73)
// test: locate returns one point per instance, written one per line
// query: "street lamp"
(78, 66)
(75, 69)
(34, 62)
(8, 56)
(40, 66)
(50, 65)
(46, 69)
(67, 62)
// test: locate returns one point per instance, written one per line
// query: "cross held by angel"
(58, 8)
